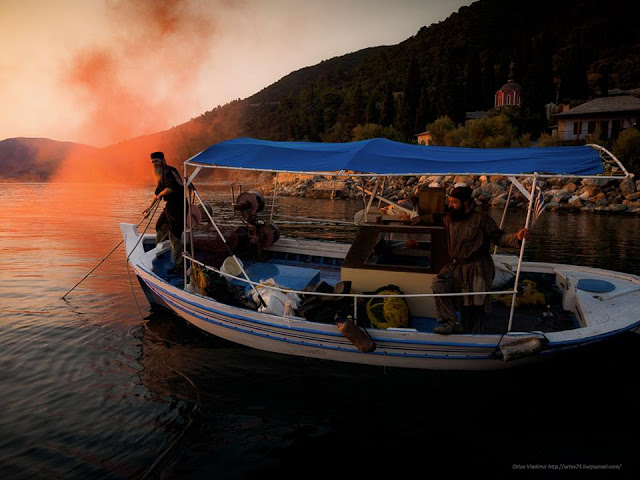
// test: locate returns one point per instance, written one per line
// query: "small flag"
(538, 206)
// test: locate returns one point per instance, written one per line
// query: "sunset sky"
(102, 71)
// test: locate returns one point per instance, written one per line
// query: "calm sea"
(101, 386)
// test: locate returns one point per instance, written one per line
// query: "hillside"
(35, 159)
(563, 50)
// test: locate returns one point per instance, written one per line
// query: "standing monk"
(469, 234)
(169, 188)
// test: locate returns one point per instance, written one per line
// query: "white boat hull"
(406, 348)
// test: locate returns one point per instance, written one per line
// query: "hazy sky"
(101, 71)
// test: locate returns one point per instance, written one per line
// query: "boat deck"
(301, 271)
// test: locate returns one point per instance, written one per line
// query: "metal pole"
(185, 210)
(504, 214)
(524, 241)
(273, 199)
(224, 240)
(373, 196)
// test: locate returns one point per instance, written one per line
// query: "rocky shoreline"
(560, 194)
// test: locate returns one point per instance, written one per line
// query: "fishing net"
(388, 312)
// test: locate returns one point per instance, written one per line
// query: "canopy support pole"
(373, 195)
(244, 274)
(519, 186)
(504, 214)
(611, 155)
(273, 199)
(524, 241)
(184, 220)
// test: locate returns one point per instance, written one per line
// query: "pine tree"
(388, 108)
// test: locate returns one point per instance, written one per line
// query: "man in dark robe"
(469, 235)
(170, 223)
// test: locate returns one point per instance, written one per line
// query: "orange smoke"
(134, 85)
(144, 77)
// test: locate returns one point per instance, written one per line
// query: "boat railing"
(254, 285)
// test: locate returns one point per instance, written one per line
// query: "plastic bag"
(277, 301)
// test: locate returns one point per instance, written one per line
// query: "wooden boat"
(324, 299)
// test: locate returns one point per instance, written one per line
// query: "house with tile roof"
(610, 115)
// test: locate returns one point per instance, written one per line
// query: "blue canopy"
(385, 157)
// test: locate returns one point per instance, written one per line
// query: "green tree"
(438, 130)
(372, 115)
(410, 99)
(388, 108)
(547, 140)
(371, 130)
(357, 106)
(490, 132)
(627, 149)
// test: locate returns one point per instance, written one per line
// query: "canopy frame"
(513, 178)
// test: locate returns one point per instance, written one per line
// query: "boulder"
(492, 188)
(616, 208)
(467, 180)
(587, 208)
(627, 186)
(574, 201)
(633, 196)
(596, 182)
(499, 200)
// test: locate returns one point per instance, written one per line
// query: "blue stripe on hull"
(260, 329)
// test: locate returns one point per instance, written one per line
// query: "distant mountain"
(557, 50)
(36, 159)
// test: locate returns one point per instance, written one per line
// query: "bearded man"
(469, 234)
(170, 223)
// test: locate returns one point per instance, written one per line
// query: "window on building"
(604, 129)
(615, 129)
(577, 128)
(591, 127)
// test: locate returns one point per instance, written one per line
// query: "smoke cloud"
(131, 87)
(144, 77)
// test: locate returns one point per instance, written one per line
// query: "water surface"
(102, 386)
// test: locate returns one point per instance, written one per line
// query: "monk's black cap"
(461, 193)
(159, 155)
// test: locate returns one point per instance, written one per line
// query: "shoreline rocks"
(560, 194)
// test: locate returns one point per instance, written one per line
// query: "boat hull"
(401, 348)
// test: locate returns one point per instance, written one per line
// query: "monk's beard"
(456, 214)
(157, 172)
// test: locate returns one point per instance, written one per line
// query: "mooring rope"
(157, 204)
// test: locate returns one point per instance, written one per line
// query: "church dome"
(510, 86)
(509, 94)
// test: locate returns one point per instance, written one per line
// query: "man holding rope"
(170, 223)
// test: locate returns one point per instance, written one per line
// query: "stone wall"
(568, 194)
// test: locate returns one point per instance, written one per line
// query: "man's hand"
(523, 233)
